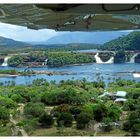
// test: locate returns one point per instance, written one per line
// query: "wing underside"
(72, 17)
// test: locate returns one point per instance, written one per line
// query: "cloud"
(24, 34)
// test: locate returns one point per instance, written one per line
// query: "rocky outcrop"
(137, 59)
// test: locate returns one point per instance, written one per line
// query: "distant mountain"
(68, 47)
(84, 37)
(10, 43)
(128, 42)
(63, 40)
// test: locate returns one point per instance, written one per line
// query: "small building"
(121, 94)
(120, 100)
(118, 97)
(105, 94)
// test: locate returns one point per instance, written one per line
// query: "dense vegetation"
(128, 42)
(15, 60)
(58, 55)
(12, 46)
(72, 105)
(60, 59)
(69, 104)
(137, 58)
(120, 57)
(53, 58)
(16, 72)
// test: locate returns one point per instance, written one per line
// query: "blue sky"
(21, 33)
(24, 34)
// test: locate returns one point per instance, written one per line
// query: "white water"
(136, 75)
(45, 62)
(5, 63)
(99, 61)
(132, 59)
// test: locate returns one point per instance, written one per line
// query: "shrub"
(75, 111)
(7, 102)
(46, 120)
(56, 111)
(28, 124)
(107, 124)
(82, 120)
(15, 60)
(34, 109)
(4, 115)
(99, 112)
(17, 98)
(65, 119)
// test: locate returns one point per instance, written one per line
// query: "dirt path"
(16, 129)
(97, 128)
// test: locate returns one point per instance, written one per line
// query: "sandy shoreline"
(8, 75)
(38, 72)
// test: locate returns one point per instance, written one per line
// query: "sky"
(24, 34)
(21, 33)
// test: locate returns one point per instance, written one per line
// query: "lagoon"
(91, 72)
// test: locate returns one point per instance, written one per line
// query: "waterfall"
(45, 62)
(5, 63)
(132, 59)
(136, 75)
(98, 59)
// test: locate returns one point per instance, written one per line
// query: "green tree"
(34, 109)
(15, 61)
(133, 123)
(4, 115)
(107, 124)
(46, 120)
(114, 113)
(119, 57)
(83, 120)
(40, 82)
(99, 112)
(7, 102)
(65, 119)
(17, 98)
(75, 111)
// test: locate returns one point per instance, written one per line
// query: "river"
(92, 72)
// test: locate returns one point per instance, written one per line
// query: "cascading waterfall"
(5, 63)
(136, 75)
(45, 62)
(99, 61)
(132, 59)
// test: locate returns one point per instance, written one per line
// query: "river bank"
(58, 59)
(89, 71)
(8, 73)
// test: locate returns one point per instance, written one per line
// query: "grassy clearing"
(62, 132)
(74, 132)
(115, 132)
(5, 131)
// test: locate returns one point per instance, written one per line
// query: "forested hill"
(10, 43)
(128, 42)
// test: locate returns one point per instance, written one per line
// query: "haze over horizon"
(48, 36)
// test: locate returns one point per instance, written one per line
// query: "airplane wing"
(72, 17)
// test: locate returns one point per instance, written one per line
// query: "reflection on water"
(92, 72)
